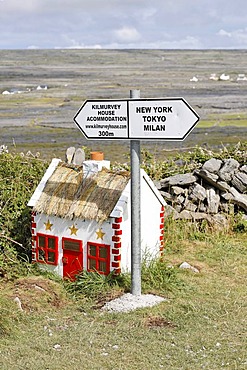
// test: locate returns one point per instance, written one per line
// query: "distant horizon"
(122, 49)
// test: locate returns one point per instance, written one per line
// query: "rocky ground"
(41, 91)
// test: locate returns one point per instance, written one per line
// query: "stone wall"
(212, 192)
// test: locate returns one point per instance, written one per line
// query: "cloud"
(188, 42)
(147, 13)
(172, 24)
(27, 6)
(185, 43)
(127, 34)
(224, 33)
(237, 37)
(75, 44)
(33, 47)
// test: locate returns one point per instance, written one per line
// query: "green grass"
(202, 325)
(224, 120)
(30, 100)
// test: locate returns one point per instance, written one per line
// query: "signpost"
(144, 119)
(136, 119)
(135, 154)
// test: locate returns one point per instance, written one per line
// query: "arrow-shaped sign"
(147, 119)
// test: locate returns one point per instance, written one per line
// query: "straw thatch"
(68, 195)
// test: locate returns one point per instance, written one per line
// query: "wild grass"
(202, 325)
(224, 120)
(14, 100)
(96, 286)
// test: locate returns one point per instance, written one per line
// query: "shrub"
(19, 176)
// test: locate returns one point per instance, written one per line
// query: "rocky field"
(41, 91)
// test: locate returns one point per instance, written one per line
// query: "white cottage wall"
(150, 222)
(85, 230)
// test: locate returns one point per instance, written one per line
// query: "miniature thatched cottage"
(81, 219)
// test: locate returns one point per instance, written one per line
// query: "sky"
(123, 24)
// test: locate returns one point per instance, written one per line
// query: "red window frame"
(97, 258)
(46, 249)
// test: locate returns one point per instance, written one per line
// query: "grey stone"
(191, 196)
(228, 169)
(189, 206)
(157, 184)
(244, 168)
(164, 183)
(79, 157)
(212, 165)
(202, 207)
(213, 200)
(224, 207)
(177, 190)
(186, 215)
(186, 265)
(178, 207)
(180, 199)
(180, 162)
(197, 191)
(212, 179)
(180, 180)
(239, 181)
(239, 199)
(18, 302)
(209, 177)
(227, 196)
(167, 196)
(236, 198)
(197, 216)
(222, 185)
(170, 211)
(69, 154)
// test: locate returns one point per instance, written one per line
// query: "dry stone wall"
(211, 192)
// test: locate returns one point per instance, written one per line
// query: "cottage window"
(98, 258)
(47, 249)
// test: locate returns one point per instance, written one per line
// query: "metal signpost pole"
(135, 211)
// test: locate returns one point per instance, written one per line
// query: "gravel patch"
(129, 302)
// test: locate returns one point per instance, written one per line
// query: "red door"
(72, 257)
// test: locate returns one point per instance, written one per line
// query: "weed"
(12, 266)
(240, 224)
(159, 277)
(9, 315)
(94, 285)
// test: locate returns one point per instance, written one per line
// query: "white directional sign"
(159, 119)
(169, 119)
(104, 119)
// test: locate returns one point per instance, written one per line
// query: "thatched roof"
(67, 195)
